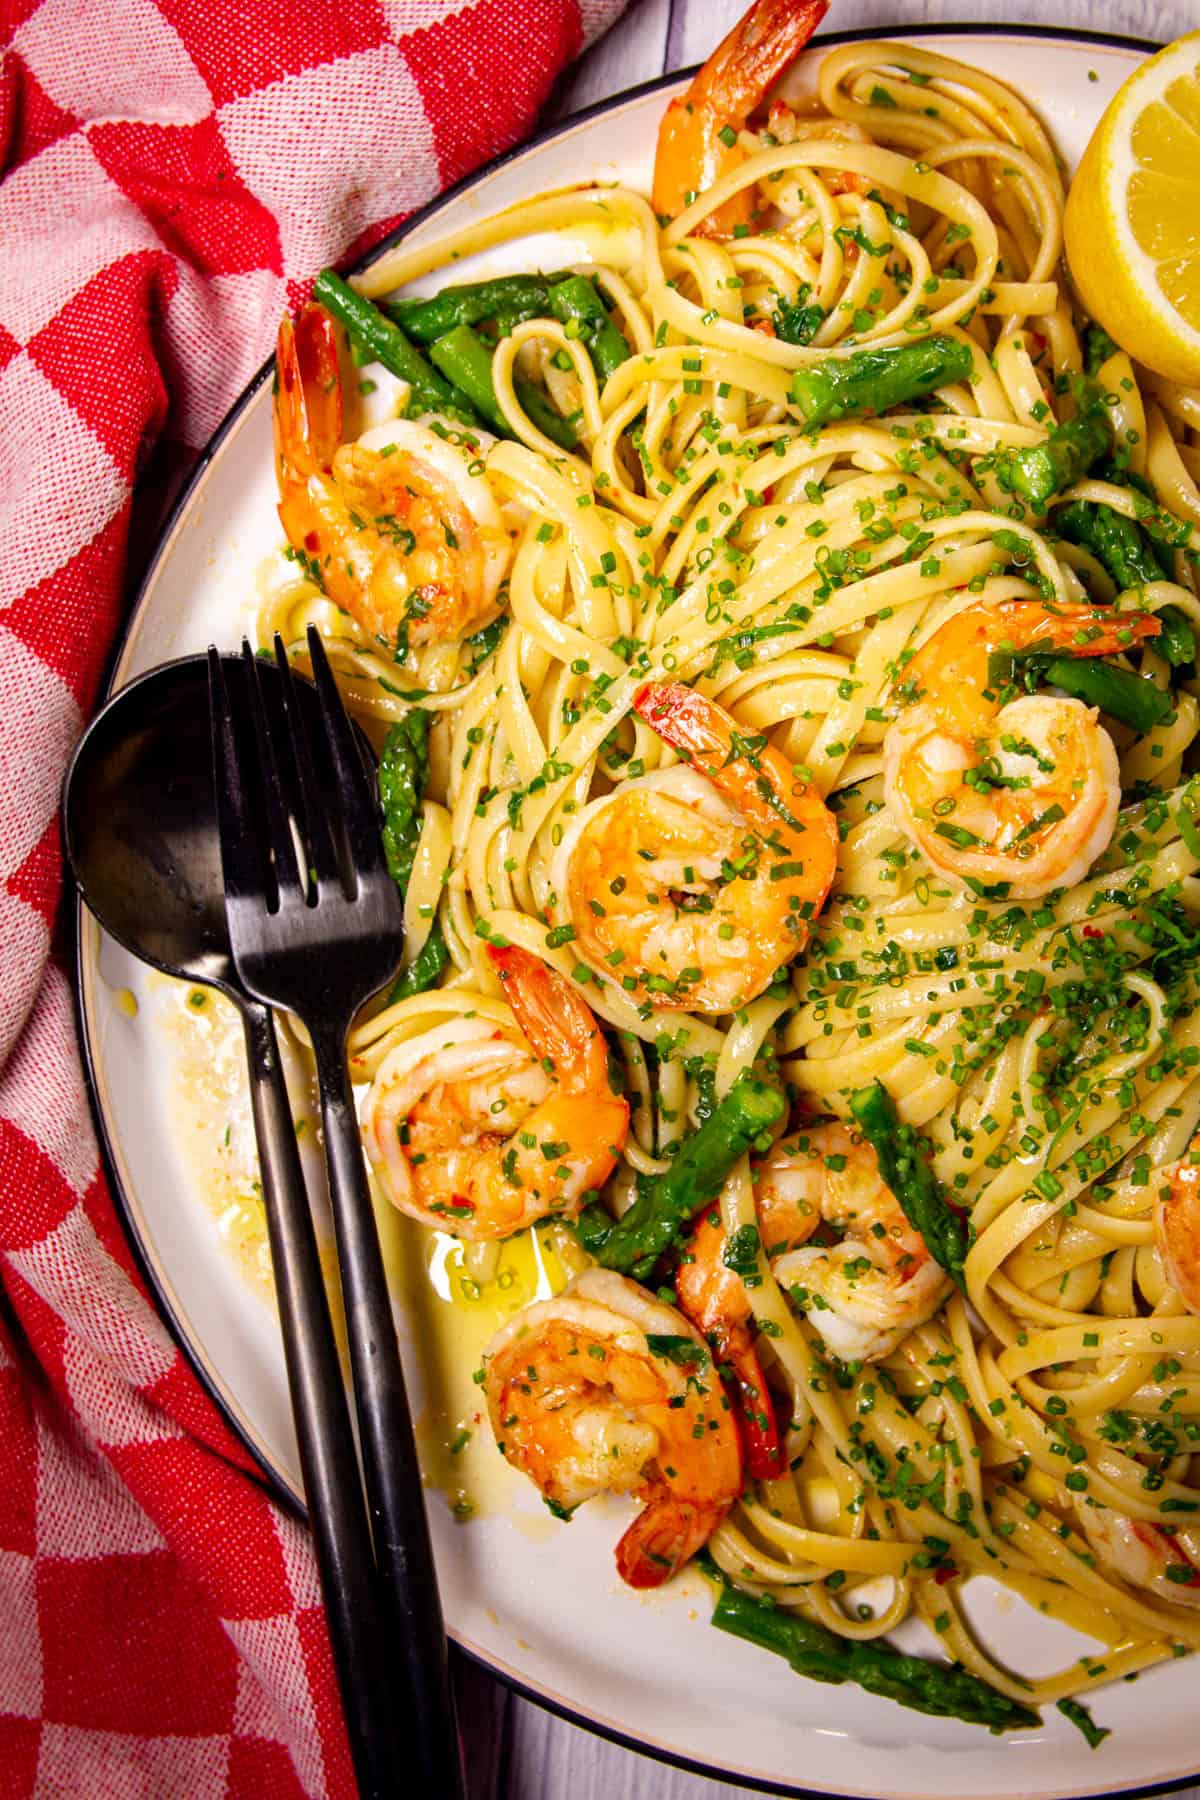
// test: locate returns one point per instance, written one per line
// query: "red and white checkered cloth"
(174, 173)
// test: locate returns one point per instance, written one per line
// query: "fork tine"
(278, 786)
(241, 861)
(316, 830)
(360, 814)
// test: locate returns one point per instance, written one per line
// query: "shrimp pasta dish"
(779, 634)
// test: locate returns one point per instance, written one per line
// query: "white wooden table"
(517, 1750)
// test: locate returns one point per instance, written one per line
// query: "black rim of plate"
(268, 1475)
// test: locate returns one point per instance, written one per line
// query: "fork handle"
(392, 1473)
(336, 1510)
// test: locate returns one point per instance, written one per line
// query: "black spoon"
(140, 827)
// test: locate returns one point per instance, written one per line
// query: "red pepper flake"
(945, 1572)
(1092, 931)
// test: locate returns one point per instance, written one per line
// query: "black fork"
(316, 926)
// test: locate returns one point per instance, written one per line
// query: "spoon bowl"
(140, 824)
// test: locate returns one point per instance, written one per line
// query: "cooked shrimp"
(606, 1390)
(697, 136)
(468, 1129)
(1166, 1563)
(864, 1293)
(1177, 1228)
(713, 1296)
(693, 885)
(395, 528)
(1025, 792)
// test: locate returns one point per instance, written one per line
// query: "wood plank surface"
(517, 1750)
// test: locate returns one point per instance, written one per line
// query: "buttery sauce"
(211, 1108)
(451, 1299)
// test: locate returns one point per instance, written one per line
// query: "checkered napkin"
(174, 172)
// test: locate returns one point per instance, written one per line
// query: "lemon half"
(1132, 224)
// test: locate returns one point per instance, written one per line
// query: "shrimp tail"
(557, 1022)
(307, 413)
(762, 1446)
(665, 1534)
(760, 47)
(694, 148)
(1104, 632)
(686, 720)
(705, 737)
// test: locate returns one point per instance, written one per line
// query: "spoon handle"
(336, 1510)
(392, 1473)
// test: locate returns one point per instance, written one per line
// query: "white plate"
(541, 1603)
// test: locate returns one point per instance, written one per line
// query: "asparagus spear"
(904, 1164)
(1115, 540)
(873, 380)
(424, 969)
(1118, 692)
(1177, 639)
(635, 1243)
(913, 1681)
(466, 361)
(1040, 471)
(508, 299)
(384, 341)
(1164, 532)
(575, 302)
(403, 773)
